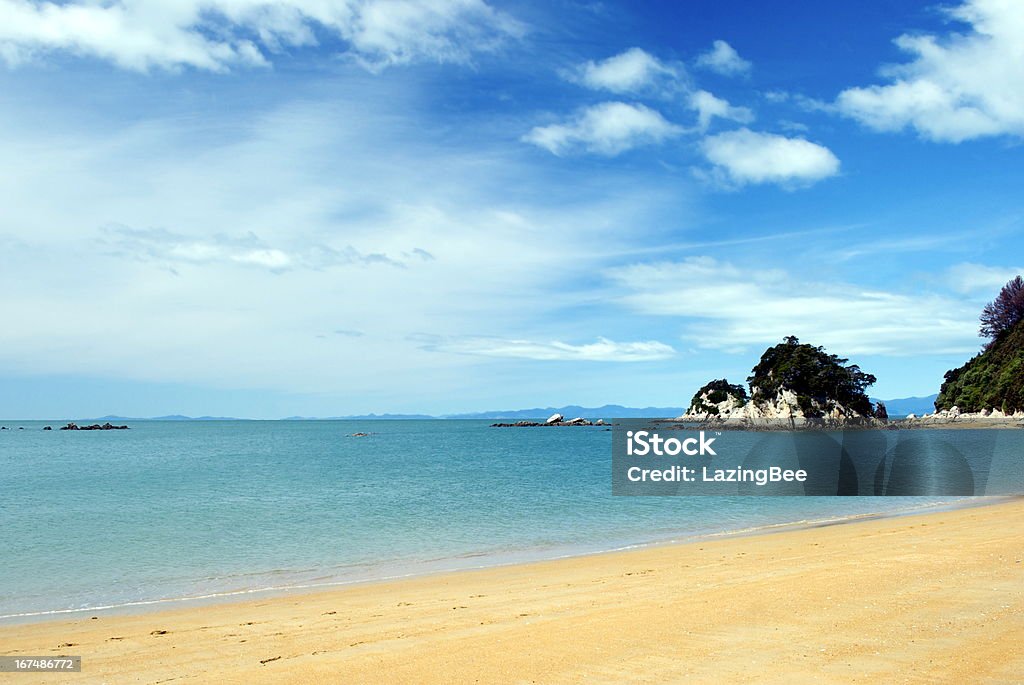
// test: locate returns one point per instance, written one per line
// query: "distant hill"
(909, 405)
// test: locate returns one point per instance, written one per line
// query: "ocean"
(186, 510)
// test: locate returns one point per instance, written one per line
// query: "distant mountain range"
(909, 405)
(896, 408)
(608, 411)
(364, 417)
(169, 417)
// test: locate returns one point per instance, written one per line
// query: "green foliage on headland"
(816, 377)
(993, 379)
(717, 391)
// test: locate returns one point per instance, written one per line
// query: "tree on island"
(1004, 312)
(816, 377)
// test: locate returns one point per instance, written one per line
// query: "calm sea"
(171, 510)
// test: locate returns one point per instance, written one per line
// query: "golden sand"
(930, 598)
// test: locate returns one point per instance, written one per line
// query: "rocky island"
(793, 385)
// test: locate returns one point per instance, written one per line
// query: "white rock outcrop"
(954, 415)
(783, 408)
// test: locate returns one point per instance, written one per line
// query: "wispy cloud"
(602, 350)
(958, 86)
(723, 59)
(747, 157)
(608, 128)
(970, 278)
(246, 250)
(218, 34)
(737, 307)
(221, 255)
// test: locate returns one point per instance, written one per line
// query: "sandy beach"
(935, 597)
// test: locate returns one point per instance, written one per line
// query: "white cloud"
(980, 279)
(632, 71)
(737, 308)
(723, 59)
(603, 350)
(218, 34)
(744, 156)
(608, 128)
(708, 107)
(957, 87)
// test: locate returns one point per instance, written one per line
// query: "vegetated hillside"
(994, 379)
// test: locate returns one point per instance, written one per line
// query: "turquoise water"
(173, 510)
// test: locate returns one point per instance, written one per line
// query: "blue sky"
(326, 207)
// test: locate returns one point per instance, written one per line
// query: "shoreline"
(496, 561)
(928, 597)
(926, 422)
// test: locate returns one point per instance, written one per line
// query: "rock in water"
(555, 418)
(94, 427)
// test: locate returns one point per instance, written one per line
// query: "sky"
(330, 207)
